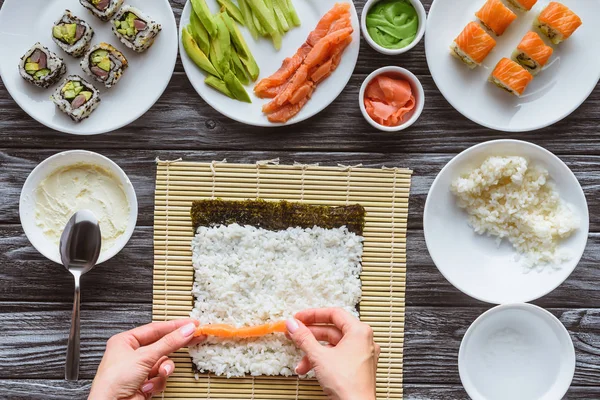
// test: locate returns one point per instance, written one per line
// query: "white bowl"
(417, 89)
(516, 352)
(393, 52)
(475, 264)
(27, 201)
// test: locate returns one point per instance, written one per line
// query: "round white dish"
(417, 89)
(269, 60)
(517, 352)
(142, 83)
(569, 78)
(474, 264)
(27, 201)
(394, 52)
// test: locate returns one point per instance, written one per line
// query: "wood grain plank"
(33, 339)
(141, 168)
(129, 275)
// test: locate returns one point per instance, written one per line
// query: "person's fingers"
(304, 339)
(304, 366)
(166, 368)
(154, 385)
(324, 333)
(342, 319)
(168, 344)
(157, 365)
(148, 334)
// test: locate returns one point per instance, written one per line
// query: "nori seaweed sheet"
(276, 215)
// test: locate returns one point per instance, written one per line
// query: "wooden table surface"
(36, 295)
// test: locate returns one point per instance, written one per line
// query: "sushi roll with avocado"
(72, 34)
(103, 9)
(41, 67)
(105, 64)
(134, 29)
(76, 97)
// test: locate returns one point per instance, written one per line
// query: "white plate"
(27, 201)
(475, 264)
(23, 23)
(557, 91)
(269, 60)
(516, 352)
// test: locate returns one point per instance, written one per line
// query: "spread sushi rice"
(509, 198)
(247, 276)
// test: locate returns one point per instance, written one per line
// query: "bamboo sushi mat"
(383, 192)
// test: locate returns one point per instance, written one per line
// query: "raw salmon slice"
(526, 5)
(533, 45)
(475, 42)
(288, 111)
(512, 76)
(229, 331)
(560, 18)
(288, 68)
(496, 16)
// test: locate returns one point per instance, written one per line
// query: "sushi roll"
(523, 5)
(557, 22)
(72, 34)
(103, 9)
(41, 67)
(134, 29)
(76, 97)
(510, 76)
(105, 64)
(495, 16)
(532, 53)
(473, 45)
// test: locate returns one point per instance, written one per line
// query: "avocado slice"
(199, 33)
(78, 89)
(236, 88)
(232, 10)
(65, 32)
(238, 69)
(68, 87)
(219, 85)
(124, 25)
(194, 52)
(41, 73)
(242, 48)
(212, 56)
(32, 67)
(88, 95)
(222, 44)
(204, 14)
(104, 64)
(70, 94)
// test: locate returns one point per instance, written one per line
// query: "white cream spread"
(78, 187)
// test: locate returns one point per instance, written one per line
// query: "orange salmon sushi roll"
(523, 5)
(510, 76)
(557, 22)
(495, 16)
(532, 53)
(473, 45)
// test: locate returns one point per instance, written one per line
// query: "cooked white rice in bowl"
(247, 276)
(509, 198)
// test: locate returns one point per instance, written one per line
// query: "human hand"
(136, 363)
(346, 369)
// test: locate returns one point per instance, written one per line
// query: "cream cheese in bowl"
(82, 187)
(72, 181)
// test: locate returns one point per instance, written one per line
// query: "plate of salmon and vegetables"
(269, 62)
(527, 64)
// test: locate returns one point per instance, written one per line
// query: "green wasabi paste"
(393, 24)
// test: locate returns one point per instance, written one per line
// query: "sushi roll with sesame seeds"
(103, 9)
(135, 29)
(76, 97)
(105, 64)
(72, 34)
(41, 67)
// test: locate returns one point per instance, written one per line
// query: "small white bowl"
(516, 352)
(27, 201)
(394, 52)
(417, 90)
(475, 264)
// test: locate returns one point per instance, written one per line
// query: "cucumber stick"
(248, 19)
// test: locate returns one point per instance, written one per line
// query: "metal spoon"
(80, 245)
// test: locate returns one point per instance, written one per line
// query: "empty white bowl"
(34, 233)
(393, 52)
(417, 90)
(475, 264)
(516, 352)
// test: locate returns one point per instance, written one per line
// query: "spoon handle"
(72, 364)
